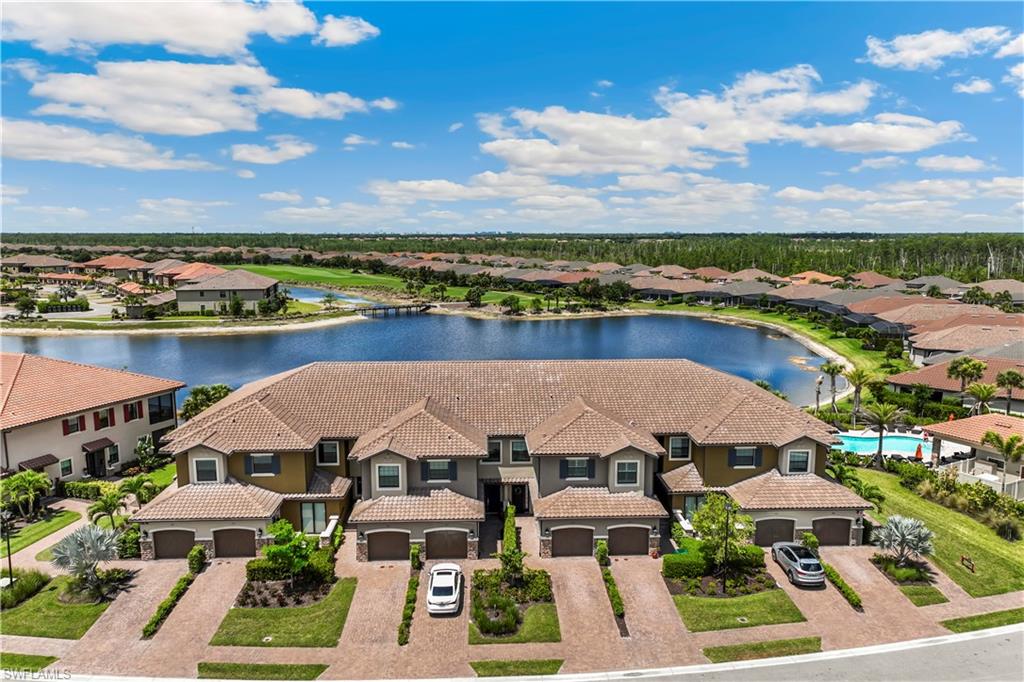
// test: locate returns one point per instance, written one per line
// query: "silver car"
(799, 563)
(444, 593)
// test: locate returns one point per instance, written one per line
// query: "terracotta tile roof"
(880, 304)
(212, 501)
(509, 474)
(672, 286)
(339, 400)
(772, 490)
(604, 267)
(596, 502)
(323, 485)
(930, 311)
(792, 292)
(115, 262)
(972, 429)
(995, 286)
(34, 261)
(711, 272)
(936, 377)
(162, 265)
(240, 280)
(808, 275)
(997, 319)
(193, 272)
(871, 279)
(582, 428)
(685, 479)
(927, 281)
(965, 337)
(424, 429)
(672, 271)
(436, 505)
(34, 388)
(753, 274)
(64, 277)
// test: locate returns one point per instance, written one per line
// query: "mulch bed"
(752, 583)
(279, 594)
(913, 564)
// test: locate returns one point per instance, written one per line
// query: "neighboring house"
(189, 273)
(152, 272)
(429, 449)
(33, 263)
(663, 287)
(869, 279)
(672, 271)
(161, 302)
(814, 277)
(75, 421)
(985, 464)
(215, 293)
(925, 283)
(117, 266)
(71, 278)
(712, 274)
(992, 287)
(754, 274)
(935, 377)
(960, 338)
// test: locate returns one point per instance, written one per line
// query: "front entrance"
(492, 498)
(96, 464)
(519, 498)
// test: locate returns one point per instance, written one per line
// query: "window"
(437, 470)
(314, 517)
(327, 453)
(160, 433)
(113, 455)
(745, 457)
(103, 419)
(799, 461)
(627, 473)
(679, 447)
(493, 451)
(206, 470)
(133, 411)
(73, 425)
(65, 467)
(576, 468)
(223, 294)
(161, 408)
(519, 451)
(262, 464)
(389, 477)
(691, 503)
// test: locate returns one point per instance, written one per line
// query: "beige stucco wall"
(466, 482)
(418, 530)
(204, 529)
(548, 468)
(292, 510)
(294, 476)
(599, 526)
(193, 301)
(805, 518)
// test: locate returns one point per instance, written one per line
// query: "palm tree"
(81, 553)
(840, 472)
(867, 492)
(976, 295)
(934, 291)
(24, 488)
(1011, 448)
(882, 416)
(817, 395)
(140, 487)
(857, 378)
(832, 369)
(107, 504)
(905, 537)
(967, 370)
(983, 394)
(1009, 379)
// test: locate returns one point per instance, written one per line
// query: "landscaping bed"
(505, 612)
(914, 580)
(259, 671)
(543, 666)
(270, 594)
(754, 650)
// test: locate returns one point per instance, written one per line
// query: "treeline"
(967, 257)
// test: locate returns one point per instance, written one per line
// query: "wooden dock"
(397, 309)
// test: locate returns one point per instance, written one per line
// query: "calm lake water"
(748, 352)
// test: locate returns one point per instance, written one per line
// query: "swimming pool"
(868, 445)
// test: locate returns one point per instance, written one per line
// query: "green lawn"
(540, 624)
(997, 562)
(46, 554)
(771, 649)
(24, 662)
(770, 607)
(923, 595)
(119, 521)
(985, 620)
(34, 532)
(260, 671)
(164, 475)
(303, 307)
(540, 666)
(317, 625)
(44, 616)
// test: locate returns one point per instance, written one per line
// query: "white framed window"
(679, 447)
(627, 472)
(113, 455)
(745, 458)
(493, 452)
(328, 453)
(799, 462)
(519, 451)
(314, 517)
(262, 464)
(438, 470)
(577, 468)
(205, 471)
(389, 477)
(66, 468)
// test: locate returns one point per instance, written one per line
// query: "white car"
(444, 593)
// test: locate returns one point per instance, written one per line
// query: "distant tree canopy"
(202, 397)
(966, 257)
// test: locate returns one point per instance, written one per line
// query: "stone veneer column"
(473, 548)
(208, 544)
(362, 550)
(653, 542)
(148, 552)
(545, 547)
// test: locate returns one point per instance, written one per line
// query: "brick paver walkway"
(25, 557)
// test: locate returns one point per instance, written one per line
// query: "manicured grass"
(985, 620)
(303, 307)
(997, 563)
(260, 671)
(923, 595)
(770, 607)
(46, 554)
(540, 624)
(164, 475)
(540, 666)
(119, 521)
(777, 647)
(34, 532)
(44, 616)
(317, 625)
(25, 662)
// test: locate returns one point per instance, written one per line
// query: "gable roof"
(424, 429)
(972, 429)
(753, 274)
(965, 336)
(936, 377)
(685, 479)
(596, 502)
(115, 262)
(930, 311)
(773, 490)
(809, 275)
(232, 279)
(582, 428)
(927, 281)
(711, 272)
(212, 501)
(871, 279)
(441, 504)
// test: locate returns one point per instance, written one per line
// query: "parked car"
(799, 563)
(444, 593)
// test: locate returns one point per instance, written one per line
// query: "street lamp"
(6, 526)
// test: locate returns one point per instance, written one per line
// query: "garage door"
(572, 542)
(446, 544)
(173, 544)
(387, 546)
(628, 540)
(832, 531)
(234, 542)
(774, 530)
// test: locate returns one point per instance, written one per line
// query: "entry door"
(96, 464)
(519, 498)
(492, 498)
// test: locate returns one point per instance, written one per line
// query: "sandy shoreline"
(185, 331)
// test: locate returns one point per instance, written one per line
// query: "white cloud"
(1014, 48)
(929, 49)
(487, 185)
(944, 188)
(345, 31)
(246, 174)
(402, 144)
(354, 140)
(35, 141)
(285, 148)
(878, 163)
(604, 84)
(975, 86)
(9, 194)
(1002, 187)
(455, 127)
(954, 164)
(442, 215)
(886, 132)
(173, 211)
(179, 98)
(322, 201)
(343, 215)
(828, 193)
(72, 212)
(285, 197)
(1015, 77)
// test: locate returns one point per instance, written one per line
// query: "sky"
(522, 117)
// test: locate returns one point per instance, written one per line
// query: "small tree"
(893, 350)
(145, 450)
(967, 370)
(23, 489)
(235, 307)
(905, 537)
(439, 291)
(722, 527)
(108, 504)
(832, 369)
(983, 394)
(25, 306)
(512, 305)
(141, 487)
(1009, 379)
(934, 291)
(66, 292)
(536, 307)
(810, 541)
(510, 556)
(883, 416)
(202, 397)
(329, 300)
(857, 378)
(291, 550)
(867, 492)
(81, 553)
(475, 297)
(1011, 448)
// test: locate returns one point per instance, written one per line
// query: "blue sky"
(332, 117)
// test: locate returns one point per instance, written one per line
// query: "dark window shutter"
(425, 470)
(757, 457)
(591, 468)
(96, 420)
(64, 425)
(563, 469)
(732, 457)
(248, 465)
(125, 408)
(141, 415)
(81, 422)
(453, 470)
(110, 414)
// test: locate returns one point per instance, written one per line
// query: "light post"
(5, 527)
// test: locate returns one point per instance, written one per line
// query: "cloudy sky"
(470, 117)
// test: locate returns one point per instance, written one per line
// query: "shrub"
(88, 490)
(337, 537)
(414, 557)
(844, 589)
(262, 569)
(196, 559)
(537, 586)
(1007, 528)
(168, 604)
(749, 558)
(320, 568)
(505, 622)
(618, 608)
(128, 544)
(26, 584)
(810, 541)
(509, 536)
(601, 553)
(911, 474)
(679, 535)
(680, 566)
(407, 612)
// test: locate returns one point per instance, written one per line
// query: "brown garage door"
(234, 542)
(628, 540)
(446, 544)
(832, 531)
(572, 542)
(173, 544)
(774, 530)
(387, 546)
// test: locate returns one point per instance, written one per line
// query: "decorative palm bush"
(906, 538)
(81, 553)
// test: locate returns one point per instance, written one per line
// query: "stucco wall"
(600, 526)
(294, 477)
(204, 529)
(805, 518)
(548, 480)
(418, 530)
(194, 300)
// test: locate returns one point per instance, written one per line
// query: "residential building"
(754, 274)
(936, 377)
(27, 262)
(712, 274)
(427, 450)
(215, 294)
(984, 464)
(926, 282)
(992, 287)
(961, 338)
(76, 421)
(869, 279)
(117, 266)
(814, 277)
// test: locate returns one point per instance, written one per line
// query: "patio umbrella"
(919, 455)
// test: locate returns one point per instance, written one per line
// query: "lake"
(236, 359)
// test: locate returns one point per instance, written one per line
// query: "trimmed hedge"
(168, 604)
(320, 568)
(88, 490)
(196, 559)
(844, 589)
(408, 610)
(601, 553)
(618, 608)
(509, 537)
(128, 544)
(414, 556)
(682, 566)
(26, 584)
